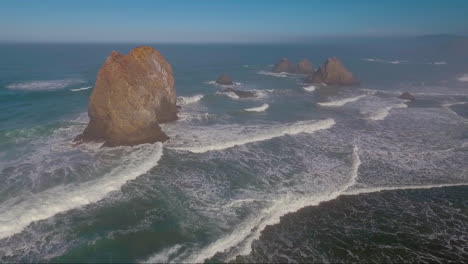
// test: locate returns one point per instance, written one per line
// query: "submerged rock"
(224, 79)
(132, 95)
(240, 93)
(407, 96)
(284, 66)
(332, 72)
(305, 67)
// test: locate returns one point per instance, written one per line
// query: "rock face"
(240, 93)
(407, 96)
(284, 66)
(305, 67)
(332, 72)
(132, 95)
(224, 79)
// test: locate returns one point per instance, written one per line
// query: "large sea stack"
(132, 95)
(332, 72)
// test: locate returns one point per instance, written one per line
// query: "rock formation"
(407, 96)
(132, 95)
(224, 79)
(284, 66)
(332, 72)
(240, 93)
(305, 67)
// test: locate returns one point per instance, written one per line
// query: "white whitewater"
(185, 100)
(81, 89)
(249, 231)
(14, 217)
(382, 113)
(261, 108)
(310, 88)
(164, 255)
(274, 74)
(341, 102)
(229, 94)
(232, 136)
(463, 78)
(41, 85)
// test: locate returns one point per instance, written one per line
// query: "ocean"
(299, 173)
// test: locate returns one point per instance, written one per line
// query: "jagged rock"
(132, 95)
(332, 72)
(407, 96)
(240, 93)
(224, 79)
(305, 67)
(284, 66)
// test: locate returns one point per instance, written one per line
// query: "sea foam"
(261, 108)
(246, 233)
(274, 74)
(81, 89)
(310, 88)
(463, 78)
(185, 100)
(382, 113)
(15, 216)
(231, 135)
(45, 85)
(341, 102)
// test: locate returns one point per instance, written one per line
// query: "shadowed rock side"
(332, 72)
(224, 79)
(407, 96)
(132, 95)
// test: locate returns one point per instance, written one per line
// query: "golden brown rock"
(332, 72)
(132, 95)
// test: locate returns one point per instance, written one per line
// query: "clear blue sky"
(225, 20)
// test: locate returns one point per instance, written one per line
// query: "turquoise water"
(235, 166)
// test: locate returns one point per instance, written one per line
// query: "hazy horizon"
(212, 21)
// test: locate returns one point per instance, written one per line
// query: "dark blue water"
(233, 167)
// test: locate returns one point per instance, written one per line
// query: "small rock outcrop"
(332, 72)
(224, 79)
(132, 95)
(240, 93)
(284, 66)
(305, 67)
(407, 96)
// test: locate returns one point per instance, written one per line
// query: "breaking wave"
(245, 234)
(382, 113)
(463, 78)
(231, 135)
(261, 108)
(310, 88)
(18, 215)
(274, 74)
(81, 89)
(44, 85)
(185, 100)
(341, 102)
